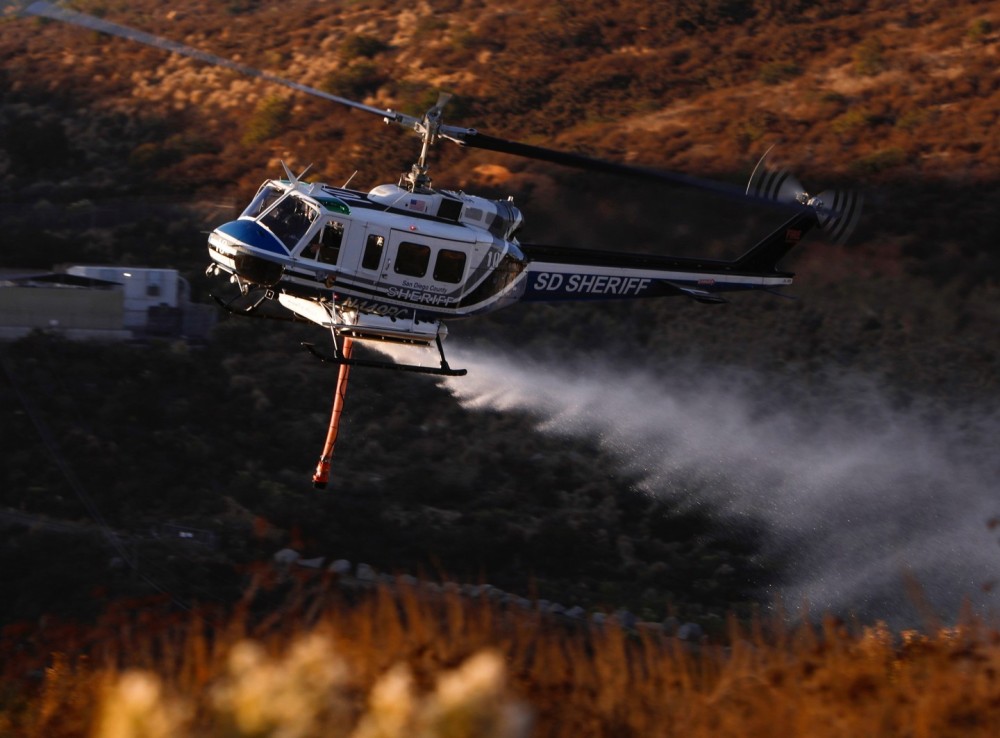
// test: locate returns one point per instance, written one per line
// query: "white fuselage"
(388, 253)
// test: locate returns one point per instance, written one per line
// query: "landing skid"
(443, 371)
(252, 310)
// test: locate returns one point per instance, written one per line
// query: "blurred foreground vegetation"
(409, 661)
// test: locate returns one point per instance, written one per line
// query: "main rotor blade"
(48, 10)
(429, 127)
(479, 140)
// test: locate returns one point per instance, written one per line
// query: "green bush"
(869, 58)
(879, 161)
(851, 122)
(979, 30)
(358, 80)
(910, 120)
(776, 72)
(358, 45)
(267, 120)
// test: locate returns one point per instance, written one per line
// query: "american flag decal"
(417, 205)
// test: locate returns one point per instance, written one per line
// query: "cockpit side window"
(289, 220)
(266, 196)
(325, 245)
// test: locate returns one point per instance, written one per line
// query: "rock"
(340, 567)
(287, 556)
(670, 625)
(690, 632)
(626, 619)
(576, 612)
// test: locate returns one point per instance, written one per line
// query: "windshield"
(266, 196)
(289, 220)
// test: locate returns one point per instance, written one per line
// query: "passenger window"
(325, 246)
(373, 252)
(412, 259)
(449, 266)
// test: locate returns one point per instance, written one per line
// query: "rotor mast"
(429, 128)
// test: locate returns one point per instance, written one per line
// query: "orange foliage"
(345, 657)
(713, 83)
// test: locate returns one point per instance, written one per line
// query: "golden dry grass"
(407, 661)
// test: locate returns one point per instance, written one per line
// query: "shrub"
(869, 58)
(238, 7)
(879, 161)
(405, 661)
(776, 72)
(910, 120)
(979, 30)
(267, 120)
(152, 156)
(359, 45)
(431, 25)
(851, 122)
(356, 81)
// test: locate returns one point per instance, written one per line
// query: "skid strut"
(322, 474)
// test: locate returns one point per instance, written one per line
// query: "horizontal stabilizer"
(709, 298)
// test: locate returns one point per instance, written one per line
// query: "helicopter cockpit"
(289, 219)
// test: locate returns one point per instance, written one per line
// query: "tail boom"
(561, 273)
(567, 280)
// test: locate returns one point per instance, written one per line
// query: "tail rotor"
(838, 211)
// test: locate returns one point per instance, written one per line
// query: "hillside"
(113, 152)
(875, 89)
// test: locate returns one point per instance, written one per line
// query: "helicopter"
(396, 263)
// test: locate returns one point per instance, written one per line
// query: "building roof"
(26, 278)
